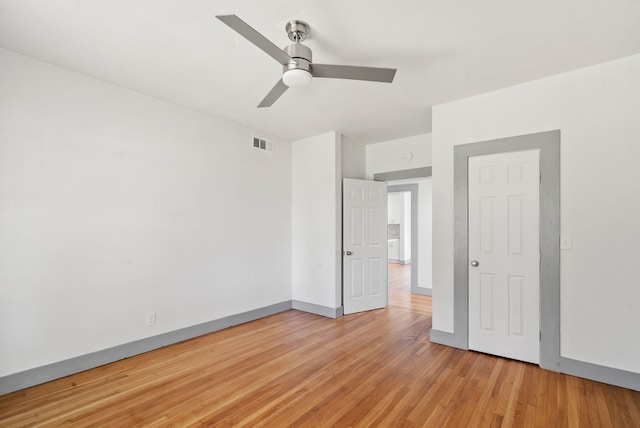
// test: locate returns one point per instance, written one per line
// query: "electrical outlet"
(151, 319)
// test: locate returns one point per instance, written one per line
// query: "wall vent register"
(262, 144)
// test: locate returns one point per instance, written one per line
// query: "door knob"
(348, 253)
(475, 263)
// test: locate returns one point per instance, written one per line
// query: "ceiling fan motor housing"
(301, 54)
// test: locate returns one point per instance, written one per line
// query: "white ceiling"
(444, 50)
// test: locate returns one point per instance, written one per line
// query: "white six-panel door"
(504, 254)
(364, 244)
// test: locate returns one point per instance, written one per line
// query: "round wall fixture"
(407, 156)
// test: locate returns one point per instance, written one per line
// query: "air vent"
(262, 144)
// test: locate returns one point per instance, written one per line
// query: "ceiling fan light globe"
(296, 78)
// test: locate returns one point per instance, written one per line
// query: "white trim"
(317, 309)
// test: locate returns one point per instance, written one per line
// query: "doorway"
(409, 233)
(399, 243)
(417, 255)
(417, 182)
(402, 233)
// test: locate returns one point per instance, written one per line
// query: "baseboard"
(399, 261)
(422, 291)
(38, 375)
(312, 308)
(448, 339)
(617, 377)
(609, 375)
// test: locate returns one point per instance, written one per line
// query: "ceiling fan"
(297, 66)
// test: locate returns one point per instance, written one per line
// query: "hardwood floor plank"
(297, 369)
(542, 404)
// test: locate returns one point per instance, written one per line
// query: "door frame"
(549, 145)
(405, 174)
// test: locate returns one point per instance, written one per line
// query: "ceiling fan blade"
(373, 74)
(273, 94)
(249, 33)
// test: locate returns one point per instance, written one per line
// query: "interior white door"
(364, 244)
(504, 254)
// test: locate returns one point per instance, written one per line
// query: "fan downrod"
(297, 30)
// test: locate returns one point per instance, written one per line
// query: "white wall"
(597, 110)
(114, 204)
(405, 229)
(399, 212)
(317, 220)
(389, 155)
(353, 159)
(395, 205)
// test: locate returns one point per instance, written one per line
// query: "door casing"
(549, 145)
(419, 173)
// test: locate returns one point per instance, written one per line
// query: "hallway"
(400, 291)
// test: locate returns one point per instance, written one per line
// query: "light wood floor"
(400, 291)
(296, 369)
